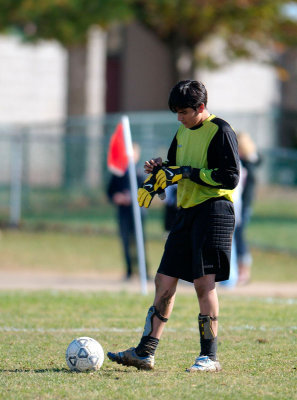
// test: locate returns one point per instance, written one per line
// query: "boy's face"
(189, 117)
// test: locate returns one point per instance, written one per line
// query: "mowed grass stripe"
(257, 348)
(9, 329)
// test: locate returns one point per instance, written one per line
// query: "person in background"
(237, 202)
(250, 160)
(119, 193)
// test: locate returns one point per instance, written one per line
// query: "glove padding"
(148, 190)
(167, 176)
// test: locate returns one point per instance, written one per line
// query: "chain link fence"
(52, 173)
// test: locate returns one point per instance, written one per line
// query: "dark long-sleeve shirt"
(211, 150)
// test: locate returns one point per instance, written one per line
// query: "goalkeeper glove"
(167, 176)
(148, 190)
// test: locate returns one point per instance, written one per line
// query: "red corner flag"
(117, 159)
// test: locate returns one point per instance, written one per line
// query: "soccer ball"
(84, 354)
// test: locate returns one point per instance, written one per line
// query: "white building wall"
(32, 81)
(244, 86)
(246, 92)
(33, 85)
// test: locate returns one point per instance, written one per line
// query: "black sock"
(147, 346)
(209, 348)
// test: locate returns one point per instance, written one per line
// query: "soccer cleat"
(131, 359)
(204, 363)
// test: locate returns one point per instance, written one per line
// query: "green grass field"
(257, 347)
(257, 338)
(82, 253)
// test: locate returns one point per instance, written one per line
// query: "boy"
(203, 161)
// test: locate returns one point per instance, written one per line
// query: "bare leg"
(164, 301)
(208, 324)
(208, 299)
(142, 357)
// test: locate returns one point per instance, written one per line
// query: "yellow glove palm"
(147, 192)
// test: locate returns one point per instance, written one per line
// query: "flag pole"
(136, 209)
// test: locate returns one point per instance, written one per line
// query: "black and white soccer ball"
(84, 354)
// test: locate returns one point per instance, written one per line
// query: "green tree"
(184, 24)
(68, 22)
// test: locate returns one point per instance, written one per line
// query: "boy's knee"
(165, 286)
(204, 285)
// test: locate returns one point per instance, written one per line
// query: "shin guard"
(148, 344)
(148, 327)
(208, 340)
(205, 326)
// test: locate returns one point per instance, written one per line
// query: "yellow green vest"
(192, 147)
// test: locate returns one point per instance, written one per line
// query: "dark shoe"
(131, 359)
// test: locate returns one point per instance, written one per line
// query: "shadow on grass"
(37, 371)
(106, 372)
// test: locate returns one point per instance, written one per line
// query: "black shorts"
(200, 242)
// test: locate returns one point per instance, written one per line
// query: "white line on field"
(274, 300)
(122, 330)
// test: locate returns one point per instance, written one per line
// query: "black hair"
(187, 94)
